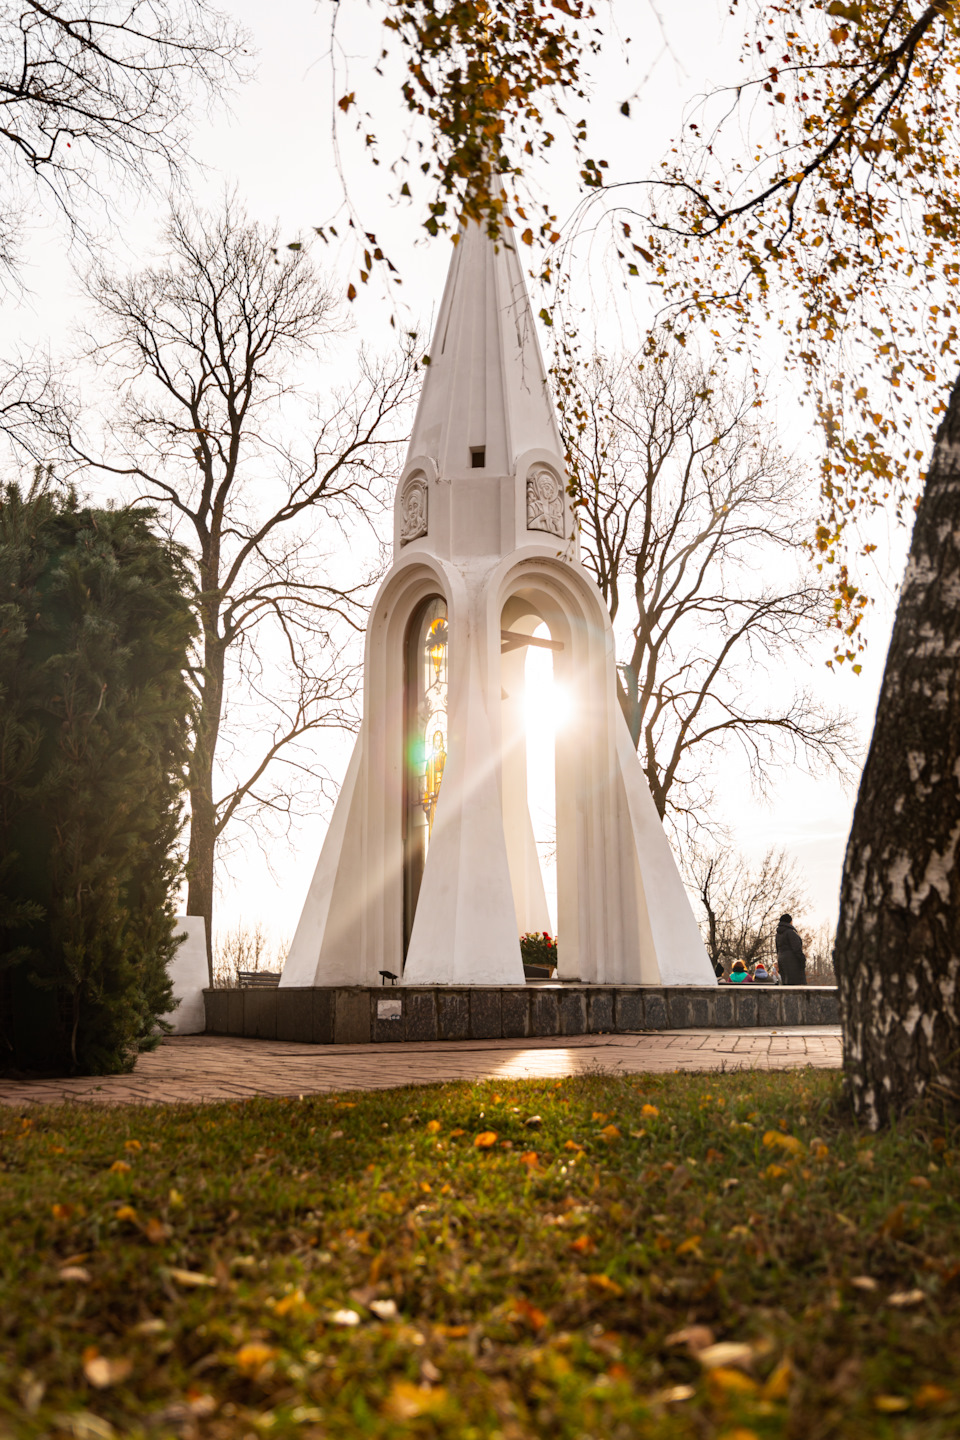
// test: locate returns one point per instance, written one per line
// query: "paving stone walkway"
(212, 1067)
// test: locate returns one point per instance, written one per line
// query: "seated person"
(739, 974)
(761, 975)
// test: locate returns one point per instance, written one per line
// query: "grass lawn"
(686, 1256)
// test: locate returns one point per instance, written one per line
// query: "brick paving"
(212, 1067)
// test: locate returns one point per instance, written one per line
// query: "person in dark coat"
(790, 956)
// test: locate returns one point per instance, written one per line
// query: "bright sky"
(275, 147)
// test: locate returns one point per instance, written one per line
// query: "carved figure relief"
(545, 502)
(413, 510)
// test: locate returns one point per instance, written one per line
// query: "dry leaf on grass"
(777, 1386)
(584, 1245)
(406, 1401)
(695, 1337)
(344, 1317)
(156, 1231)
(530, 1157)
(674, 1394)
(929, 1396)
(731, 1382)
(864, 1282)
(726, 1353)
(383, 1309)
(76, 1273)
(528, 1314)
(81, 1425)
(119, 1167)
(603, 1282)
(533, 1121)
(905, 1299)
(890, 1404)
(485, 1139)
(774, 1140)
(191, 1279)
(253, 1358)
(101, 1371)
(433, 1126)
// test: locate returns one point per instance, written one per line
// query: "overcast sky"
(275, 148)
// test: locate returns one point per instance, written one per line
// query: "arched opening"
(425, 742)
(530, 707)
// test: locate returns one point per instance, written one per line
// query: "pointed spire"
(486, 386)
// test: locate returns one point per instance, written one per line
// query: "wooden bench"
(265, 979)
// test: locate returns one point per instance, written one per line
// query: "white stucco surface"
(188, 971)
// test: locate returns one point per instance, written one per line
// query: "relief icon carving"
(413, 510)
(545, 502)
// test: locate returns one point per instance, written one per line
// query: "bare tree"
(106, 86)
(694, 522)
(818, 946)
(742, 903)
(200, 353)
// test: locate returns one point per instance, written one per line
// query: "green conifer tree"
(96, 628)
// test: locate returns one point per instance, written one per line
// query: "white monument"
(429, 869)
(190, 976)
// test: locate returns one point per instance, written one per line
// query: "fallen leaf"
(777, 1386)
(81, 1425)
(572, 1145)
(530, 1158)
(774, 1172)
(455, 1133)
(905, 1299)
(690, 1246)
(731, 1382)
(695, 1337)
(253, 1358)
(533, 1121)
(724, 1354)
(919, 1182)
(296, 1303)
(102, 1372)
(191, 1278)
(126, 1212)
(484, 1140)
(61, 1212)
(774, 1140)
(603, 1282)
(529, 1314)
(890, 1404)
(674, 1394)
(433, 1126)
(156, 1231)
(584, 1245)
(345, 1317)
(406, 1401)
(650, 1111)
(610, 1132)
(929, 1395)
(864, 1282)
(119, 1167)
(739, 1432)
(75, 1273)
(153, 1326)
(132, 1145)
(384, 1309)
(895, 1222)
(712, 1156)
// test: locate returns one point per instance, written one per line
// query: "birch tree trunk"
(897, 955)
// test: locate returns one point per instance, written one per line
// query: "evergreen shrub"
(96, 628)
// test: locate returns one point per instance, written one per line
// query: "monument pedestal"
(364, 1014)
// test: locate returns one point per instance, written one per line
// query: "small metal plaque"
(389, 1010)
